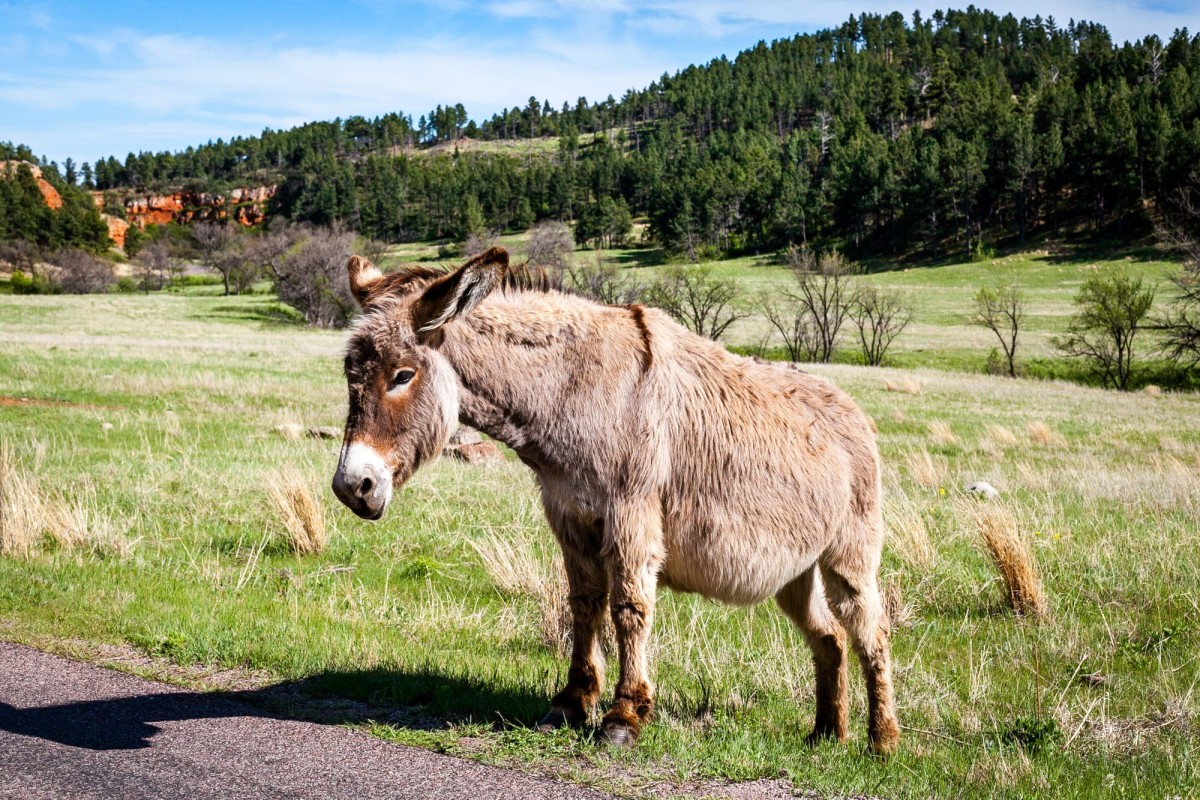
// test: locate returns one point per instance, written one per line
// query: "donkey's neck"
(522, 358)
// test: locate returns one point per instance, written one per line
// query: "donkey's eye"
(402, 377)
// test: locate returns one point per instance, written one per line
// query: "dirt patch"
(39, 402)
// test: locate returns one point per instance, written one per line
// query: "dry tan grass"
(511, 564)
(20, 509)
(907, 534)
(554, 606)
(301, 513)
(1043, 434)
(515, 569)
(924, 469)
(1013, 557)
(903, 385)
(80, 525)
(1001, 436)
(941, 433)
(899, 613)
(30, 518)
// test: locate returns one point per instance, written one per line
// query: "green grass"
(158, 414)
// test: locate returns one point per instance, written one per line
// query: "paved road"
(70, 730)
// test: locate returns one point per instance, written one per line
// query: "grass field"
(141, 432)
(941, 298)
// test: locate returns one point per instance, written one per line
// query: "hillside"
(884, 135)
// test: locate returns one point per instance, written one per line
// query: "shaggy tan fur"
(662, 460)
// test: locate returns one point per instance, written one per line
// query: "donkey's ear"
(363, 278)
(461, 290)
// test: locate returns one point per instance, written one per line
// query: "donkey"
(662, 459)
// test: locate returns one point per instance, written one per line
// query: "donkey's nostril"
(365, 487)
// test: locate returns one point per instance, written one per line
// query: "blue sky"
(90, 79)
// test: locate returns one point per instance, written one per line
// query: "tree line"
(926, 136)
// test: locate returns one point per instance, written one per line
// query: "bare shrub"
(300, 512)
(551, 244)
(823, 293)
(478, 242)
(605, 282)
(879, 317)
(1002, 311)
(1013, 557)
(308, 266)
(79, 272)
(156, 263)
(216, 244)
(697, 299)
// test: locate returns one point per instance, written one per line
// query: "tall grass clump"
(1013, 557)
(515, 570)
(20, 509)
(300, 512)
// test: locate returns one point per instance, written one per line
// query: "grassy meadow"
(141, 438)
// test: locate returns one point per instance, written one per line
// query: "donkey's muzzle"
(363, 481)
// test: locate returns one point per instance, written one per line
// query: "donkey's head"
(403, 392)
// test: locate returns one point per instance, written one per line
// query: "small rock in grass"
(983, 489)
(106, 426)
(325, 432)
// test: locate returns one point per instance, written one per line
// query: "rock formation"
(51, 195)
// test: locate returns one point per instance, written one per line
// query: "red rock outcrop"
(116, 229)
(246, 206)
(49, 193)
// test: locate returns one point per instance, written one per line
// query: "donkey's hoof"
(886, 740)
(618, 734)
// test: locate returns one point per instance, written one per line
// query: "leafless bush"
(19, 254)
(156, 263)
(1002, 311)
(78, 272)
(605, 282)
(219, 250)
(698, 300)
(300, 512)
(551, 244)
(478, 243)
(809, 316)
(879, 317)
(309, 271)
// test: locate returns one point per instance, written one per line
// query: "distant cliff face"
(245, 206)
(53, 198)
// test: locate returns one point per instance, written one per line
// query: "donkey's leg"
(634, 534)
(852, 589)
(587, 583)
(803, 600)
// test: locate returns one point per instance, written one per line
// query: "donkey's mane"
(521, 277)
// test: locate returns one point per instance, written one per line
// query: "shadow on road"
(414, 700)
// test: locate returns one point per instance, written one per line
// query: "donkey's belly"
(742, 568)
